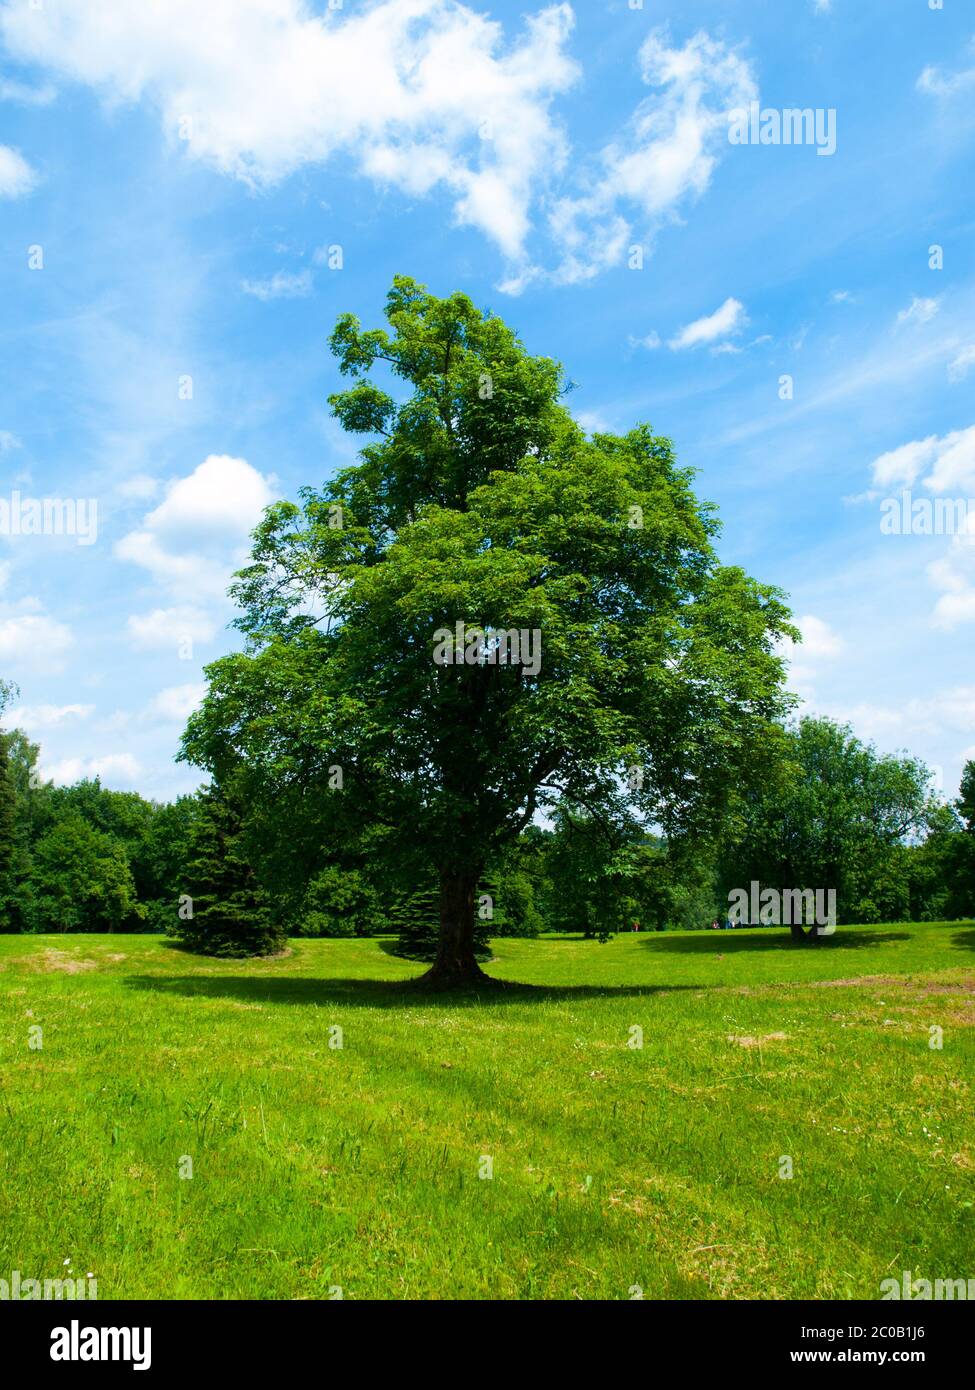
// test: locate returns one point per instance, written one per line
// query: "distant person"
(636, 926)
(729, 924)
(715, 925)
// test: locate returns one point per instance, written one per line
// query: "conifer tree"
(222, 909)
(415, 917)
(9, 916)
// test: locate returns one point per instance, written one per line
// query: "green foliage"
(340, 902)
(9, 847)
(478, 499)
(226, 913)
(81, 881)
(838, 816)
(415, 918)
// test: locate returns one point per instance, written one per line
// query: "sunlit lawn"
(359, 1167)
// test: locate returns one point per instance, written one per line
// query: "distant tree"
(962, 871)
(81, 881)
(837, 817)
(480, 501)
(222, 909)
(161, 857)
(8, 827)
(340, 902)
(415, 918)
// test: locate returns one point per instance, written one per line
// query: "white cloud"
(954, 463)
(26, 95)
(16, 175)
(665, 157)
(192, 542)
(937, 82)
(171, 627)
(222, 495)
(950, 459)
(281, 285)
(31, 717)
(140, 487)
(649, 341)
(943, 465)
(841, 297)
(954, 575)
(818, 638)
(114, 768)
(177, 702)
(32, 641)
(420, 92)
(919, 311)
(900, 467)
(8, 441)
(730, 318)
(819, 644)
(949, 711)
(959, 368)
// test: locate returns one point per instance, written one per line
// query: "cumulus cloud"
(943, 466)
(421, 93)
(30, 640)
(820, 643)
(36, 717)
(192, 542)
(176, 703)
(729, 319)
(171, 627)
(818, 638)
(948, 459)
(115, 769)
(16, 175)
(954, 575)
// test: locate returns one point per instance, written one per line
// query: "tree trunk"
(456, 965)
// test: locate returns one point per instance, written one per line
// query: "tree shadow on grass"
(964, 939)
(383, 994)
(723, 943)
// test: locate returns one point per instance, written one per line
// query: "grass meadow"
(613, 1168)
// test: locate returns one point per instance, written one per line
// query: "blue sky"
(182, 175)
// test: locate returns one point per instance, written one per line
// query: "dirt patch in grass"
(51, 960)
(747, 1041)
(962, 987)
(858, 980)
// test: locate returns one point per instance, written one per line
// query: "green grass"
(316, 1167)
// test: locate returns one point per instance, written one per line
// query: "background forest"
(83, 858)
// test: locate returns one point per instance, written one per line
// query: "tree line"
(230, 877)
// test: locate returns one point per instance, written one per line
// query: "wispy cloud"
(281, 285)
(729, 319)
(919, 311)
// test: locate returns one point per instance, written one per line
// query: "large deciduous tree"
(478, 500)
